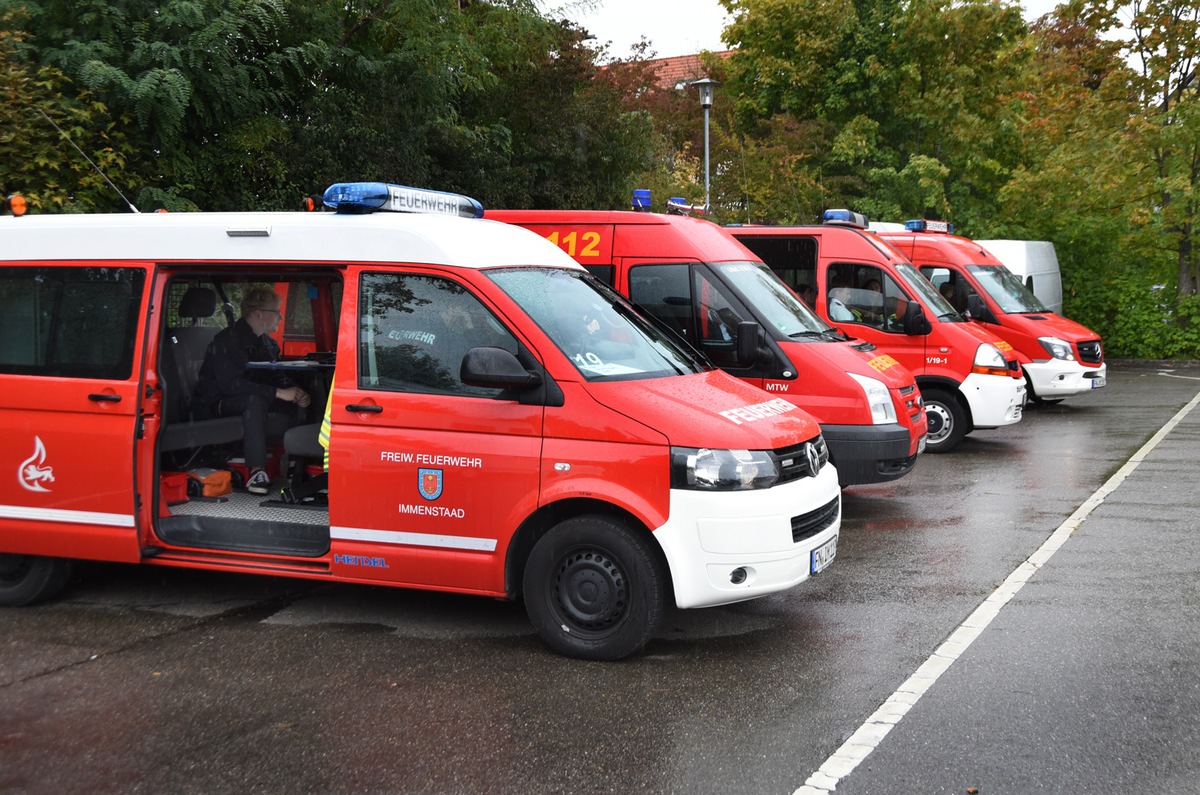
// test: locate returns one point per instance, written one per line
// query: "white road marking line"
(883, 720)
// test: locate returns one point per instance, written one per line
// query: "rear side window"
(794, 259)
(73, 322)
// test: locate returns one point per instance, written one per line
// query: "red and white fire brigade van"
(705, 286)
(969, 378)
(1060, 357)
(503, 424)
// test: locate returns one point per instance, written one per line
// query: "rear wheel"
(594, 589)
(947, 420)
(25, 579)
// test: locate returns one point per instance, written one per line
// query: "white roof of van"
(277, 237)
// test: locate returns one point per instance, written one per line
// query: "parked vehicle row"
(661, 416)
(499, 422)
(696, 279)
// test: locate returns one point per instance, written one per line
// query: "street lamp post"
(706, 86)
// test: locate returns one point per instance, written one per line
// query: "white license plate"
(823, 555)
(921, 445)
(1099, 382)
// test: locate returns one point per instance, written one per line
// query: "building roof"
(679, 70)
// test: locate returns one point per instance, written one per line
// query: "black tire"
(25, 579)
(594, 589)
(947, 419)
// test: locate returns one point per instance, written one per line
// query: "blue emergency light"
(677, 205)
(641, 200)
(919, 225)
(844, 218)
(367, 197)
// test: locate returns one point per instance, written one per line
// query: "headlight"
(878, 398)
(989, 361)
(721, 470)
(1058, 349)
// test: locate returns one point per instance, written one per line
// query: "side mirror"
(495, 368)
(978, 310)
(747, 343)
(915, 322)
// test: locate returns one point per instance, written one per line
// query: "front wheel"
(594, 589)
(25, 579)
(947, 420)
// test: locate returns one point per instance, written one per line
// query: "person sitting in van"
(808, 295)
(839, 295)
(226, 388)
(952, 294)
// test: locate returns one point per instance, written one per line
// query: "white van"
(1035, 263)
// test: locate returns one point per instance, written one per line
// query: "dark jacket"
(224, 373)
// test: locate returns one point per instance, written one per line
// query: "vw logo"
(814, 458)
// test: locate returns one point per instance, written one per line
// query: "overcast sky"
(673, 27)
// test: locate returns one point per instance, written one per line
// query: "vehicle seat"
(183, 352)
(301, 445)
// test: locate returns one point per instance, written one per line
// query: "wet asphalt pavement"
(1086, 680)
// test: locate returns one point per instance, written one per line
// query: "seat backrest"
(183, 352)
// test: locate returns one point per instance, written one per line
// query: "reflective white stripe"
(74, 517)
(413, 539)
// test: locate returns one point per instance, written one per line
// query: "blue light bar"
(367, 197)
(918, 225)
(845, 218)
(641, 200)
(677, 205)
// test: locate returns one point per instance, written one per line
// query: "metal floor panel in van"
(247, 523)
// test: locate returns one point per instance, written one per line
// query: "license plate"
(823, 555)
(921, 445)
(1099, 382)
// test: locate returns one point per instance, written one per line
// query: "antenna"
(85, 157)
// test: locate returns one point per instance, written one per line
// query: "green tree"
(1166, 46)
(894, 87)
(255, 104)
(38, 160)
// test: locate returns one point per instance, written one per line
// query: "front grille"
(792, 462)
(807, 525)
(912, 404)
(1090, 351)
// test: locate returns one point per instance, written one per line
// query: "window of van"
(1006, 289)
(865, 294)
(414, 331)
(693, 304)
(74, 322)
(779, 307)
(593, 326)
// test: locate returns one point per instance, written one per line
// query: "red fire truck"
(1060, 357)
(706, 287)
(970, 378)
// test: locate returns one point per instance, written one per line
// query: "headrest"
(198, 302)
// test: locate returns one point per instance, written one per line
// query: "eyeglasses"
(272, 311)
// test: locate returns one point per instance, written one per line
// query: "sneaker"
(259, 482)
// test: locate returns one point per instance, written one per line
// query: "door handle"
(105, 398)
(364, 409)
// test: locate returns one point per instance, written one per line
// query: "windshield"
(1006, 289)
(601, 333)
(928, 293)
(777, 306)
